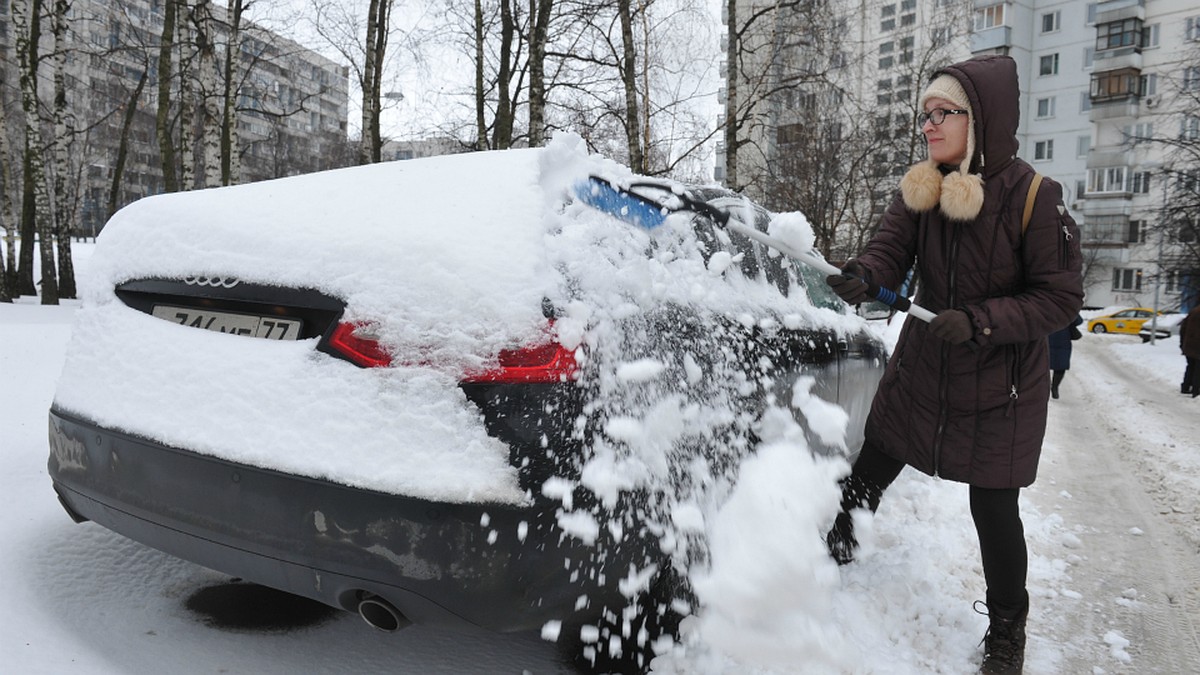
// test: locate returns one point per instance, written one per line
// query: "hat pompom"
(962, 196)
(921, 186)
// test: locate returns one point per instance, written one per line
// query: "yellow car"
(1125, 321)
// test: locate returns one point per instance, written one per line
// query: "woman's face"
(947, 141)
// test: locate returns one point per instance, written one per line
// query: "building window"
(888, 10)
(1109, 179)
(1193, 28)
(1083, 144)
(887, 47)
(1190, 128)
(1191, 78)
(908, 19)
(1085, 102)
(1149, 84)
(1127, 279)
(1089, 56)
(989, 17)
(887, 24)
(1117, 34)
(1048, 65)
(1150, 36)
(1091, 12)
(1106, 229)
(1141, 182)
(1134, 235)
(1051, 21)
(886, 62)
(1115, 84)
(1045, 107)
(1043, 150)
(908, 5)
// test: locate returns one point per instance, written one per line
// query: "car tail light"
(358, 342)
(547, 362)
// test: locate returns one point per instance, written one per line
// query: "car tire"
(1099, 328)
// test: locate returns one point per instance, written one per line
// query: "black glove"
(850, 285)
(953, 326)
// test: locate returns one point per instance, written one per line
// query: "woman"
(1060, 353)
(964, 397)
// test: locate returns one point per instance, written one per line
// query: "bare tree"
(38, 209)
(230, 166)
(64, 135)
(378, 28)
(539, 30)
(628, 71)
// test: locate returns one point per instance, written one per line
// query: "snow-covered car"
(475, 389)
(1128, 321)
(1164, 327)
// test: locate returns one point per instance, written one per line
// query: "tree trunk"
(629, 80)
(28, 30)
(502, 133)
(63, 134)
(731, 97)
(188, 136)
(25, 17)
(123, 147)
(371, 145)
(383, 27)
(162, 121)
(230, 166)
(205, 32)
(8, 275)
(481, 140)
(539, 16)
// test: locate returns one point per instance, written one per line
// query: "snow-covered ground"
(1113, 526)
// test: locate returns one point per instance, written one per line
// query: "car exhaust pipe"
(381, 614)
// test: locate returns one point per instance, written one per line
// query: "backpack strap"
(1030, 198)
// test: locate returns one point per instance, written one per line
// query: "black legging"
(997, 522)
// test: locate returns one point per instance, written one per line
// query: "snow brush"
(643, 211)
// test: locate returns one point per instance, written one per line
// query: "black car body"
(505, 563)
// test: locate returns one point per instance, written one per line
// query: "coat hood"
(991, 85)
(991, 88)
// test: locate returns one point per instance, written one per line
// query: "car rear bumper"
(496, 566)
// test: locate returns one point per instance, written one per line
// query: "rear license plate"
(269, 327)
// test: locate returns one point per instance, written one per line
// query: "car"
(470, 390)
(1127, 321)
(1166, 326)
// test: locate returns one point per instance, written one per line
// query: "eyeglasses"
(937, 116)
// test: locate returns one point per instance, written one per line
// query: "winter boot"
(840, 541)
(1004, 642)
(1054, 391)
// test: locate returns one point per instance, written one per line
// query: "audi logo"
(215, 282)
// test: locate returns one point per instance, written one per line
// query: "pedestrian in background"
(1189, 344)
(1060, 353)
(965, 397)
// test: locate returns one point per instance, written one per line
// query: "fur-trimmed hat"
(960, 193)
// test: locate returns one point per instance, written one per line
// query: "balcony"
(1117, 59)
(1114, 108)
(1116, 10)
(998, 37)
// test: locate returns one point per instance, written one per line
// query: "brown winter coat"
(976, 413)
(1189, 334)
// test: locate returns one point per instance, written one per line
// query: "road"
(1121, 467)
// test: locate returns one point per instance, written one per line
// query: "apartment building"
(292, 103)
(1099, 81)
